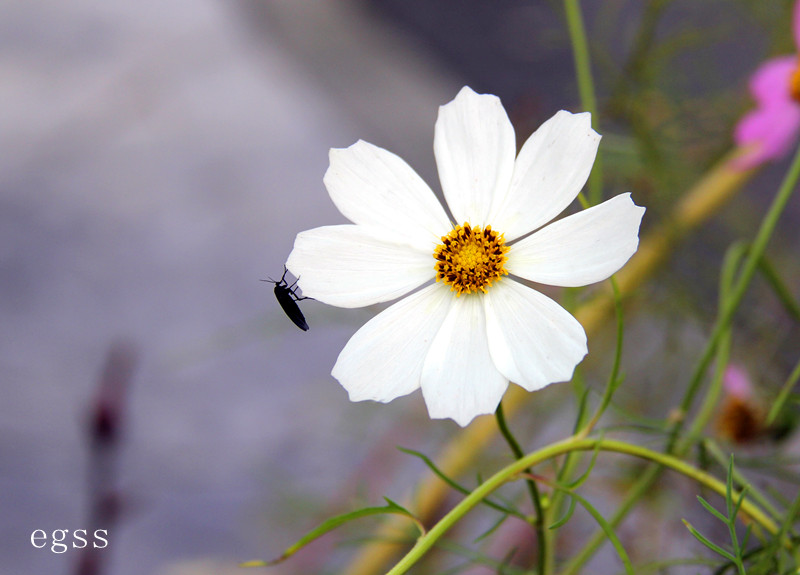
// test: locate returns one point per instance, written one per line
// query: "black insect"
(288, 299)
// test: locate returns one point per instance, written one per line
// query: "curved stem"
(533, 489)
(510, 473)
(583, 74)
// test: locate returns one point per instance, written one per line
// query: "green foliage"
(330, 524)
(737, 552)
(457, 486)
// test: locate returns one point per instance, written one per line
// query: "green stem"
(532, 488)
(583, 73)
(759, 246)
(512, 442)
(786, 525)
(779, 287)
(783, 395)
(613, 379)
(582, 429)
(512, 471)
(730, 265)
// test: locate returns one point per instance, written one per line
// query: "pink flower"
(741, 415)
(772, 127)
(736, 382)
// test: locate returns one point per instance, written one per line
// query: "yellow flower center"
(794, 83)
(470, 259)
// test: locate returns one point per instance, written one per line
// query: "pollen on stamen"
(469, 258)
(794, 83)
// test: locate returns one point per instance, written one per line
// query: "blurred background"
(158, 158)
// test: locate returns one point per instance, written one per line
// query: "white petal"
(475, 148)
(580, 249)
(551, 169)
(355, 266)
(459, 380)
(533, 341)
(384, 359)
(374, 187)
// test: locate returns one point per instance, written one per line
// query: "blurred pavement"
(157, 160)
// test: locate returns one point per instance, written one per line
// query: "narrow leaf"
(331, 524)
(783, 395)
(729, 489)
(747, 534)
(710, 508)
(585, 475)
(609, 531)
(783, 293)
(604, 525)
(702, 539)
(566, 516)
(491, 529)
(457, 486)
(582, 403)
(438, 472)
(738, 505)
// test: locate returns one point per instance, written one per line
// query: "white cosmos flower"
(466, 335)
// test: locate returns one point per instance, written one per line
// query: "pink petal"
(736, 382)
(770, 83)
(771, 129)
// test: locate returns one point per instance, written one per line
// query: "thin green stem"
(759, 246)
(583, 74)
(711, 400)
(779, 287)
(556, 504)
(509, 437)
(613, 379)
(730, 265)
(583, 429)
(783, 395)
(786, 525)
(513, 471)
(532, 488)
